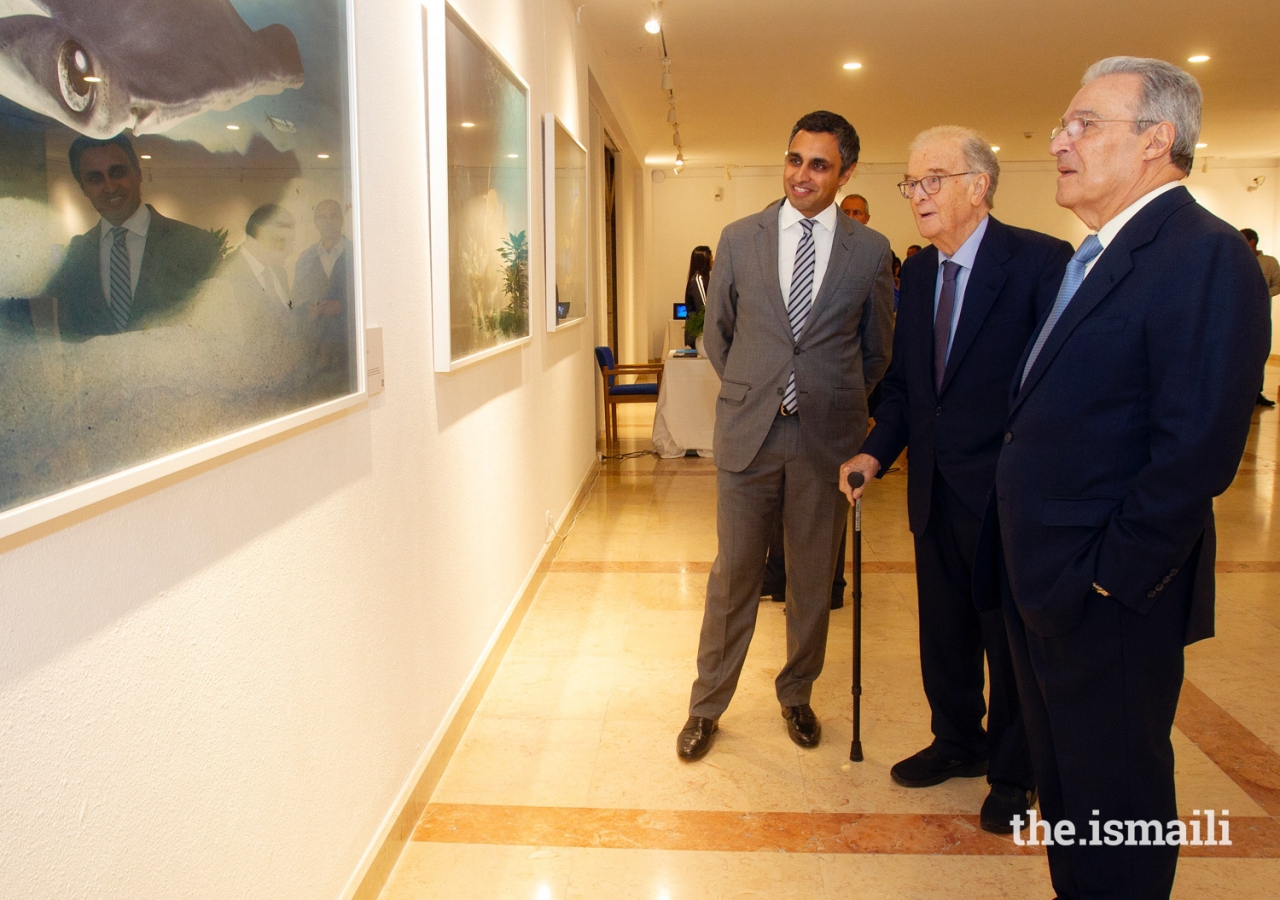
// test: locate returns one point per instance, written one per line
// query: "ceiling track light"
(671, 113)
(667, 83)
(654, 24)
(675, 138)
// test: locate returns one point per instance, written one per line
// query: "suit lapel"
(1110, 269)
(767, 254)
(841, 252)
(144, 296)
(985, 281)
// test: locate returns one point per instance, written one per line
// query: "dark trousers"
(775, 567)
(954, 637)
(1099, 704)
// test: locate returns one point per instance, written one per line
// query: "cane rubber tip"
(855, 751)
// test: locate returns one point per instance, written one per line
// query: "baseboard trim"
(384, 852)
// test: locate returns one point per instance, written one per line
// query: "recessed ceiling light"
(468, 124)
(1201, 146)
(93, 79)
(513, 156)
(995, 148)
(1198, 58)
(145, 156)
(653, 26)
(853, 65)
(322, 156)
(233, 128)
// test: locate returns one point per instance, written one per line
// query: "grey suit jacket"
(842, 352)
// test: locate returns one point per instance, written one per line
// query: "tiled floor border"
(1252, 837)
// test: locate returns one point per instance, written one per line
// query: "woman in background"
(695, 290)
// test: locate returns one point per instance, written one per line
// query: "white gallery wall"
(686, 213)
(218, 685)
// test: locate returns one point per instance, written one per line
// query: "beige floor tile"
(1226, 879)
(522, 762)
(552, 688)
(684, 875)
(479, 872)
(865, 877)
(752, 766)
(1202, 785)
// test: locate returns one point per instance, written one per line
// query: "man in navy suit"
(1129, 415)
(970, 302)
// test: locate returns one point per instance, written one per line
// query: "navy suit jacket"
(176, 258)
(1133, 418)
(959, 432)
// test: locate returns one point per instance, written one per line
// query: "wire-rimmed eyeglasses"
(1076, 126)
(931, 184)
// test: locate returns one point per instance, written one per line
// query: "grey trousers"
(813, 514)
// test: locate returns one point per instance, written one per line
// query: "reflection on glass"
(488, 195)
(144, 311)
(570, 239)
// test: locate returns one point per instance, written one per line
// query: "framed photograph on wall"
(179, 232)
(478, 150)
(564, 162)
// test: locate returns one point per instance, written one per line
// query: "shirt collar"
(967, 253)
(789, 216)
(138, 223)
(1107, 233)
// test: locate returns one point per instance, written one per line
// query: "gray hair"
(979, 158)
(865, 203)
(1168, 95)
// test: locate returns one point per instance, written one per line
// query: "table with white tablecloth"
(686, 415)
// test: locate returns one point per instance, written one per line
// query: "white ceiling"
(745, 70)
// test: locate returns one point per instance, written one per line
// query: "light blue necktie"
(120, 295)
(801, 299)
(1071, 281)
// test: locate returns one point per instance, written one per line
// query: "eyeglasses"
(931, 184)
(1075, 128)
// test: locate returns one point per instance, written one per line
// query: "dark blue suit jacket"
(1015, 277)
(1131, 421)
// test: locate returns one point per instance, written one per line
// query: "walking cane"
(855, 749)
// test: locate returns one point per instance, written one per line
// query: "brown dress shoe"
(695, 738)
(802, 725)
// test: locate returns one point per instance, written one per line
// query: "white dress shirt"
(789, 232)
(135, 241)
(964, 257)
(1107, 233)
(272, 278)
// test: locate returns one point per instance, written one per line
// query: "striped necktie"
(1071, 281)
(120, 295)
(800, 301)
(942, 322)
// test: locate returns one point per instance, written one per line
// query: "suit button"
(796, 351)
(1166, 579)
(1159, 587)
(938, 411)
(1173, 572)
(1151, 593)
(1008, 437)
(779, 392)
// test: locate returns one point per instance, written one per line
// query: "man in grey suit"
(799, 326)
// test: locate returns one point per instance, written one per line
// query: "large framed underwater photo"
(478, 149)
(565, 206)
(179, 272)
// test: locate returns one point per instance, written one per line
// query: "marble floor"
(566, 785)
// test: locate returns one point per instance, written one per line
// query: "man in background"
(798, 327)
(1271, 272)
(313, 272)
(134, 268)
(970, 301)
(855, 207)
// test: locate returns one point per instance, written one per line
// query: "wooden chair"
(615, 393)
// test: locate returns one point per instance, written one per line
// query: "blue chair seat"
(633, 389)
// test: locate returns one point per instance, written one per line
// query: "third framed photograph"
(478, 151)
(565, 193)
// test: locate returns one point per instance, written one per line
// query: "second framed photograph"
(478, 151)
(565, 193)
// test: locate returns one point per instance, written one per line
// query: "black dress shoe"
(837, 602)
(1003, 803)
(1265, 401)
(695, 738)
(930, 767)
(802, 725)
